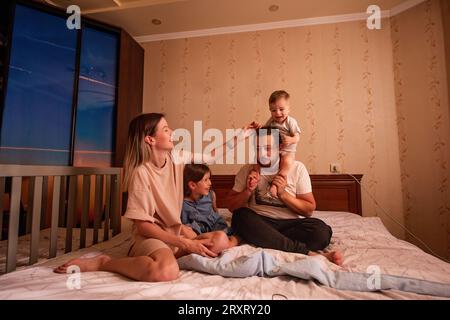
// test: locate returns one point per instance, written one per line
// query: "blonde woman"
(154, 180)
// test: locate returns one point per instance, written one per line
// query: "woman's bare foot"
(85, 265)
(333, 256)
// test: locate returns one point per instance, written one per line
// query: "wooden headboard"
(332, 192)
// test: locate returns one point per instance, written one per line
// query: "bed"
(364, 241)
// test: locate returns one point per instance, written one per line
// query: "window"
(95, 118)
(37, 113)
(60, 102)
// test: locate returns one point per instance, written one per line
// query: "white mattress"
(23, 245)
(364, 242)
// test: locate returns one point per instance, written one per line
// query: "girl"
(199, 206)
(155, 193)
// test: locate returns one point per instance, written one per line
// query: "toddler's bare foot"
(85, 265)
(334, 256)
(274, 191)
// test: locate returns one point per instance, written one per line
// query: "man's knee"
(320, 239)
(240, 216)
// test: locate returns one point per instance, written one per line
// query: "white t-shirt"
(289, 127)
(298, 183)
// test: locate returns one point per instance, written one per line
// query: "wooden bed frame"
(332, 192)
(67, 182)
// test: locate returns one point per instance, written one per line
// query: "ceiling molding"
(258, 27)
(405, 6)
(277, 25)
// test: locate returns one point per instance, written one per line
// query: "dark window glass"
(37, 115)
(96, 109)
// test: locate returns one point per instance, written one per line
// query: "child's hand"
(255, 125)
(248, 129)
(252, 125)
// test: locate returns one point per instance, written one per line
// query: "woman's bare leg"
(161, 265)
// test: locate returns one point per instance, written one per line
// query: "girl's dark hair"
(194, 173)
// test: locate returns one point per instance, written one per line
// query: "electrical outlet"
(335, 167)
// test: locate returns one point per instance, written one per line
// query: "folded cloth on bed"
(261, 263)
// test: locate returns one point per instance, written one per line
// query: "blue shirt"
(200, 215)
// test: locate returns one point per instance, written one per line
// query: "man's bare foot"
(85, 265)
(333, 256)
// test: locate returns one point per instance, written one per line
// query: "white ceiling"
(136, 16)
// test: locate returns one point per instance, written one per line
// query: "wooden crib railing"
(66, 180)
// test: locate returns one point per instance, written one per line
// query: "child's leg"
(286, 161)
(233, 241)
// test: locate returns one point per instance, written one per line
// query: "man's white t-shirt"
(298, 183)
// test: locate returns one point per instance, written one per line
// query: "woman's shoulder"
(140, 177)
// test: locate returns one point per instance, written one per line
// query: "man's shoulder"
(298, 168)
(245, 169)
(299, 164)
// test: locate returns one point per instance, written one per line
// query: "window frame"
(85, 22)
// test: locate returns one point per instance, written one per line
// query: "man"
(283, 222)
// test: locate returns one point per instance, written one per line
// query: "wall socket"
(335, 168)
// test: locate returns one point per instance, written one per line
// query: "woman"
(154, 180)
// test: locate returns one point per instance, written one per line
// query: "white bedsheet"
(364, 242)
(23, 245)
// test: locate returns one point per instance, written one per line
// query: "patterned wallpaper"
(356, 94)
(423, 122)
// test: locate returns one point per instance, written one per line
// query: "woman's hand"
(252, 180)
(200, 247)
(188, 232)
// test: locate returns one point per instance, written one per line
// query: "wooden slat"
(44, 202)
(2, 194)
(108, 208)
(71, 212)
(62, 202)
(98, 205)
(12, 170)
(13, 231)
(55, 215)
(29, 216)
(36, 219)
(84, 213)
(115, 203)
